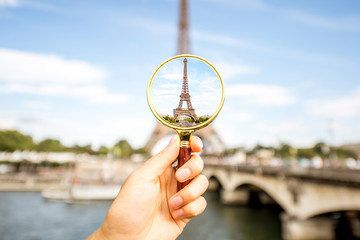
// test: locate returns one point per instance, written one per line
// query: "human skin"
(148, 205)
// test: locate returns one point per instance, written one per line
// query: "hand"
(148, 206)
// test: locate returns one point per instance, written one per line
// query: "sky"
(77, 71)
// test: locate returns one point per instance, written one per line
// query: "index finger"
(196, 144)
(156, 165)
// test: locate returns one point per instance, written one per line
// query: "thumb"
(161, 161)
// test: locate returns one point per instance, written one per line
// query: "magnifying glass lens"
(185, 93)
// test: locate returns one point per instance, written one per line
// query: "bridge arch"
(189, 115)
(214, 184)
(220, 177)
(276, 190)
(272, 193)
(332, 209)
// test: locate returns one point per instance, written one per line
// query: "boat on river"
(83, 192)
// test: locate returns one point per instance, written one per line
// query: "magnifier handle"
(184, 156)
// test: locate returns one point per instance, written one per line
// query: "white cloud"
(7, 124)
(19, 66)
(33, 104)
(230, 70)
(102, 129)
(283, 128)
(92, 93)
(52, 75)
(32, 4)
(345, 23)
(242, 116)
(348, 106)
(261, 94)
(9, 3)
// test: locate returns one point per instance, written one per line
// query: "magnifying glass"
(185, 93)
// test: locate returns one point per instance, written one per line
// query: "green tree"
(189, 120)
(82, 149)
(50, 145)
(202, 119)
(169, 119)
(285, 151)
(122, 149)
(49, 164)
(260, 147)
(103, 150)
(306, 153)
(141, 151)
(14, 140)
(343, 154)
(322, 150)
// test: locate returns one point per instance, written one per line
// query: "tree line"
(286, 151)
(12, 140)
(171, 119)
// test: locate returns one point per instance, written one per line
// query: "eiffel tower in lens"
(185, 97)
(212, 141)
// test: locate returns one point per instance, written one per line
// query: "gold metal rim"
(157, 115)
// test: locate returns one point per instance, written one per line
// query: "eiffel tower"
(212, 141)
(185, 97)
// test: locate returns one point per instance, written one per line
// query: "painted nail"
(183, 174)
(178, 213)
(176, 202)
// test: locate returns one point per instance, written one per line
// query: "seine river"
(29, 216)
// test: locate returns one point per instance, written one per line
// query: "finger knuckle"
(191, 195)
(198, 163)
(198, 142)
(204, 205)
(201, 163)
(204, 180)
(201, 205)
(193, 209)
(200, 208)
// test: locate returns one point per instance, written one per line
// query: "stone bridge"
(307, 196)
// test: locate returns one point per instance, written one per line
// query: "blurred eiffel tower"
(213, 145)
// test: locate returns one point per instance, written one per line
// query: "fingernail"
(183, 174)
(176, 202)
(178, 213)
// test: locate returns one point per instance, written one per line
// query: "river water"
(27, 216)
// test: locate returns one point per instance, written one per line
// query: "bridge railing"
(350, 177)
